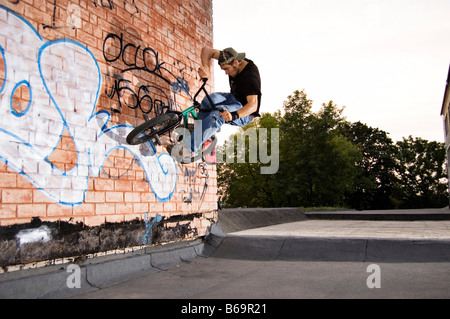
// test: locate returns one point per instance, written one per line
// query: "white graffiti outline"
(26, 151)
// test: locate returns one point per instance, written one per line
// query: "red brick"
(170, 207)
(31, 210)
(86, 38)
(124, 208)
(114, 197)
(84, 210)
(23, 182)
(140, 208)
(115, 218)
(95, 197)
(132, 197)
(123, 185)
(104, 184)
(176, 30)
(59, 210)
(18, 196)
(140, 186)
(94, 220)
(8, 180)
(8, 211)
(105, 209)
(148, 197)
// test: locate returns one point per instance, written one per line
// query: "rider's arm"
(248, 109)
(206, 56)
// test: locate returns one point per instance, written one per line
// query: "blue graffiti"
(63, 80)
(150, 225)
(181, 85)
(23, 112)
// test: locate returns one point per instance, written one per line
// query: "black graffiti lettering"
(160, 107)
(73, 20)
(153, 58)
(146, 103)
(112, 46)
(135, 6)
(128, 97)
(197, 183)
(124, 94)
(124, 54)
(134, 57)
(110, 4)
(141, 60)
(53, 26)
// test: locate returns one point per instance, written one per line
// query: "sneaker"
(176, 135)
(179, 152)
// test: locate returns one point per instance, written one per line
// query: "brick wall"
(75, 77)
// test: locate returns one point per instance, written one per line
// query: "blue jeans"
(211, 119)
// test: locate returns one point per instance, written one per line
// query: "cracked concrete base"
(307, 240)
(97, 273)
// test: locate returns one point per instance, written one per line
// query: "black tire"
(158, 125)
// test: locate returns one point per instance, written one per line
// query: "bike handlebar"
(202, 88)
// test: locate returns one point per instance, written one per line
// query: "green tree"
(240, 181)
(421, 168)
(326, 161)
(375, 181)
(294, 126)
(317, 162)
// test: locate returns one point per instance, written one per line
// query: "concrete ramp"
(233, 220)
(289, 234)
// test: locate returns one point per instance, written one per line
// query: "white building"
(445, 113)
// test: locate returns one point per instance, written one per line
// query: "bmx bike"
(151, 129)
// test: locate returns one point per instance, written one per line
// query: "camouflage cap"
(228, 55)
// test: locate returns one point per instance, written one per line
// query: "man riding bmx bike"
(239, 107)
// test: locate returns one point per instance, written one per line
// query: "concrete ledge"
(383, 250)
(434, 214)
(104, 274)
(233, 220)
(288, 241)
(96, 273)
(249, 248)
(323, 249)
(332, 249)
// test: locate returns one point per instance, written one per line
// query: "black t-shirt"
(246, 83)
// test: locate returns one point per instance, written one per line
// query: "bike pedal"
(156, 140)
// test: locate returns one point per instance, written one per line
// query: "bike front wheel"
(156, 126)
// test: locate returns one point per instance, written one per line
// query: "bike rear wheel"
(156, 126)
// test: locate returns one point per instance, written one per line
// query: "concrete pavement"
(356, 229)
(276, 254)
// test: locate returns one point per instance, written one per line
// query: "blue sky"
(386, 61)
